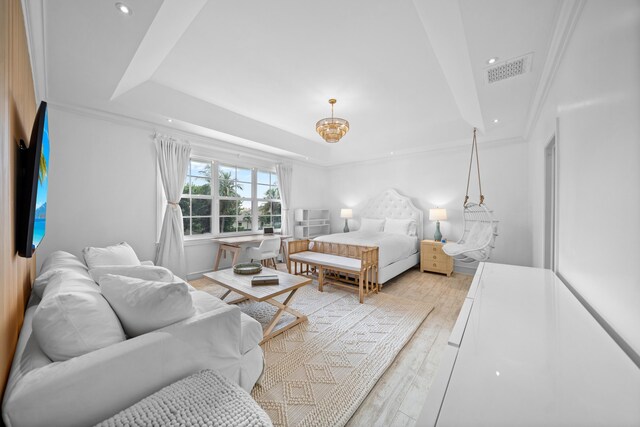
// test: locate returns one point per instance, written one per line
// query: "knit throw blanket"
(203, 399)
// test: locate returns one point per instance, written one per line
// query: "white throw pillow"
(70, 324)
(144, 306)
(413, 229)
(120, 254)
(398, 226)
(63, 280)
(146, 272)
(371, 224)
(62, 259)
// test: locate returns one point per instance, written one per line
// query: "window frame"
(271, 201)
(216, 198)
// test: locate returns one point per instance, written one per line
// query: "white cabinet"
(311, 223)
(525, 351)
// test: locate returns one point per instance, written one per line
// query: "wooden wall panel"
(17, 112)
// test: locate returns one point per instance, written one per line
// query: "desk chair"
(268, 250)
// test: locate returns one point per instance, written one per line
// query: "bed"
(397, 253)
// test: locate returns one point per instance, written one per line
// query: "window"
(196, 202)
(269, 208)
(222, 198)
(235, 187)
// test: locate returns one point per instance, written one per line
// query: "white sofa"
(87, 389)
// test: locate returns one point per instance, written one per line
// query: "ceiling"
(408, 75)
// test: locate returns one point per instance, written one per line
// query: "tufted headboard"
(390, 204)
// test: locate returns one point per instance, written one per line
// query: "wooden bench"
(336, 264)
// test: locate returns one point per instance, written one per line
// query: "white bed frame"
(390, 204)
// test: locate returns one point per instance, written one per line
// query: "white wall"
(595, 96)
(439, 178)
(103, 186)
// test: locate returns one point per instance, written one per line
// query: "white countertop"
(532, 355)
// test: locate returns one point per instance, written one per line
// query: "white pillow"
(120, 254)
(413, 229)
(70, 324)
(144, 306)
(371, 224)
(62, 259)
(146, 272)
(398, 226)
(69, 279)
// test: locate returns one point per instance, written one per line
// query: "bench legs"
(366, 280)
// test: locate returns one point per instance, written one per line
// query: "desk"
(235, 244)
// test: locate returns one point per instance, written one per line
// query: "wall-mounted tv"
(32, 184)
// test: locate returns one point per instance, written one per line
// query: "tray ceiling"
(408, 75)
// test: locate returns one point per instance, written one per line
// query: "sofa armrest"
(90, 388)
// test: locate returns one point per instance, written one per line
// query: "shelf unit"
(311, 223)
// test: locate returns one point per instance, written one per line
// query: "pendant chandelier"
(333, 128)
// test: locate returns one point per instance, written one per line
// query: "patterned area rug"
(319, 372)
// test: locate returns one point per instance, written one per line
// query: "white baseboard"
(465, 268)
(197, 274)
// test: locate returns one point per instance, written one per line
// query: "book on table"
(265, 279)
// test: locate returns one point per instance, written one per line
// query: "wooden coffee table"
(241, 284)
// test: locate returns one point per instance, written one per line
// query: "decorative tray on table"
(247, 268)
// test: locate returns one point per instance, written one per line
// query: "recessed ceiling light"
(170, 120)
(495, 120)
(492, 60)
(391, 153)
(123, 8)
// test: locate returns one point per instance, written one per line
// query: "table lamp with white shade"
(437, 215)
(346, 214)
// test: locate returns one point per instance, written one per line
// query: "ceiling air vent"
(508, 69)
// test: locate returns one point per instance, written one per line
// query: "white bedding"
(392, 247)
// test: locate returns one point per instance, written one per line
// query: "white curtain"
(285, 173)
(173, 161)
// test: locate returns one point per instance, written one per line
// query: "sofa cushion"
(144, 305)
(70, 323)
(146, 272)
(120, 254)
(251, 329)
(53, 265)
(62, 259)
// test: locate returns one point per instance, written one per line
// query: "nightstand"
(433, 258)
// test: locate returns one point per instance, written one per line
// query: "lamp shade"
(346, 213)
(437, 214)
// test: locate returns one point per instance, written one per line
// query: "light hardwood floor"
(398, 397)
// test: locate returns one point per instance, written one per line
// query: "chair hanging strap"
(474, 149)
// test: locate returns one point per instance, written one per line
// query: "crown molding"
(565, 25)
(205, 145)
(210, 146)
(457, 145)
(33, 11)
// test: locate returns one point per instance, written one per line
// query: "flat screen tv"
(32, 182)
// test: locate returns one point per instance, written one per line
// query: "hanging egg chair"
(479, 226)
